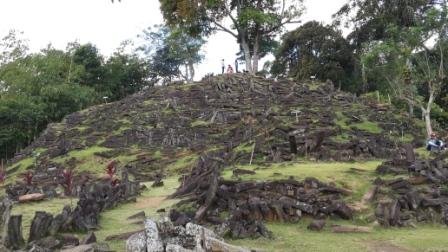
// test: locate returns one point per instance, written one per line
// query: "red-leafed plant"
(28, 178)
(114, 182)
(67, 183)
(2, 177)
(111, 169)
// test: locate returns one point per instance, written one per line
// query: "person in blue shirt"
(434, 144)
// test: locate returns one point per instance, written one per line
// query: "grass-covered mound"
(163, 130)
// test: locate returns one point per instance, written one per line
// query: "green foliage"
(40, 88)
(315, 49)
(169, 50)
(403, 64)
(125, 74)
(371, 18)
(254, 23)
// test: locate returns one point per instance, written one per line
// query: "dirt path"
(384, 246)
(150, 202)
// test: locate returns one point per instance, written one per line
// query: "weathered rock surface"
(249, 203)
(31, 197)
(282, 117)
(164, 236)
(45, 228)
(421, 197)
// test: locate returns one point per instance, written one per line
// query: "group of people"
(434, 144)
(229, 67)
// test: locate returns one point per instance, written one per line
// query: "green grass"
(368, 126)
(406, 138)
(88, 161)
(81, 128)
(337, 172)
(150, 102)
(199, 123)
(40, 150)
(313, 85)
(114, 221)
(342, 138)
(23, 165)
(182, 163)
(341, 120)
(121, 129)
(81, 154)
(295, 237)
(423, 153)
(245, 147)
(288, 237)
(28, 210)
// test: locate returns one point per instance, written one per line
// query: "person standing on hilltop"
(236, 65)
(229, 69)
(223, 66)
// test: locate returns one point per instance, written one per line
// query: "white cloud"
(107, 25)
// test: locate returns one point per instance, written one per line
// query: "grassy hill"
(278, 128)
(164, 129)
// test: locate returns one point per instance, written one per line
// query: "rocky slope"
(165, 129)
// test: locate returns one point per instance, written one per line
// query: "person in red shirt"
(229, 69)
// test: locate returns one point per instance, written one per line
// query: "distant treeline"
(40, 88)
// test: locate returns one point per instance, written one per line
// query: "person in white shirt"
(223, 66)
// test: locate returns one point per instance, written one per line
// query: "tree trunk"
(186, 73)
(411, 109)
(246, 50)
(364, 79)
(426, 113)
(255, 55)
(426, 116)
(191, 66)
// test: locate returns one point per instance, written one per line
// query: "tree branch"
(224, 29)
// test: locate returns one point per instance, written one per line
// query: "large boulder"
(40, 226)
(136, 243)
(153, 241)
(31, 197)
(165, 236)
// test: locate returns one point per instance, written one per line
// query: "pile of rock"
(164, 236)
(418, 195)
(283, 117)
(45, 228)
(248, 203)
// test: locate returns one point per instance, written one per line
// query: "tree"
(40, 88)
(88, 56)
(125, 74)
(169, 49)
(12, 47)
(406, 50)
(36, 92)
(314, 49)
(251, 20)
(370, 19)
(187, 48)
